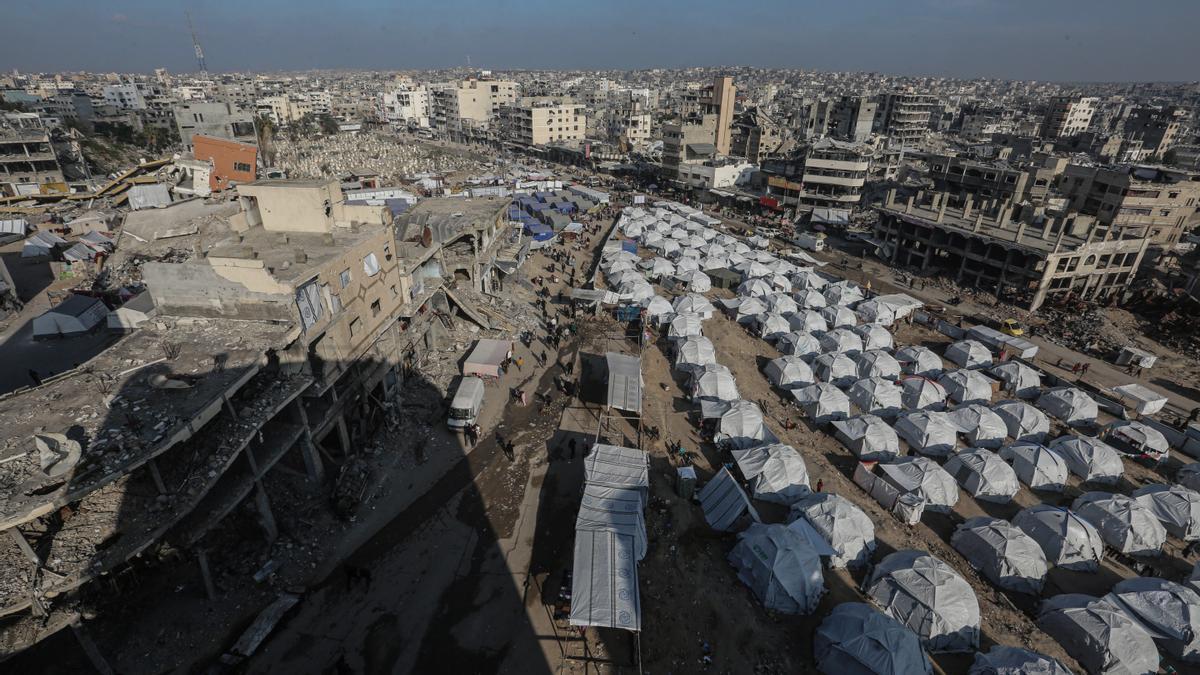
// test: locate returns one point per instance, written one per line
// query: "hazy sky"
(1026, 39)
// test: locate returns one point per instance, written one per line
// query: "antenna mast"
(196, 44)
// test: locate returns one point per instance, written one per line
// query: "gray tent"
(715, 382)
(1092, 460)
(807, 320)
(780, 567)
(604, 581)
(1070, 405)
(1138, 438)
(868, 437)
(1019, 379)
(922, 394)
(618, 467)
(876, 396)
(1169, 612)
(726, 507)
(742, 426)
(857, 639)
(685, 326)
(1004, 554)
(1123, 523)
(624, 382)
(1069, 541)
(917, 360)
(1189, 476)
(1037, 466)
(929, 597)
(835, 368)
(1001, 660)
(771, 326)
(874, 336)
(840, 341)
(775, 472)
(822, 402)
(789, 372)
(694, 352)
(877, 363)
(927, 432)
(694, 303)
(798, 343)
(922, 476)
(837, 316)
(982, 427)
(1023, 421)
(844, 526)
(613, 510)
(984, 475)
(1175, 506)
(967, 386)
(969, 354)
(1099, 635)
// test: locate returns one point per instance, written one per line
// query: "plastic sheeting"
(1037, 466)
(877, 363)
(685, 326)
(836, 316)
(840, 341)
(1001, 660)
(930, 598)
(1099, 635)
(1070, 405)
(917, 360)
(1170, 612)
(1138, 438)
(923, 477)
(1068, 540)
(1004, 554)
(922, 394)
(693, 353)
(770, 325)
(982, 427)
(1019, 379)
(694, 304)
(1022, 421)
(812, 299)
(798, 344)
(604, 581)
(715, 382)
(657, 306)
(624, 382)
(967, 386)
(776, 473)
(822, 402)
(780, 567)
(618, 467)
(743, 426)
(835, 368)
(876, 396)
(868, 437)
(930, 433)
(1123, 523)
(726, 507)
(789, 372)
(857, 639)
(984, 475)
(846, 528)
(1175, 506)
(616, 510)
(874, 336)
(1092, 460)
(969, 354)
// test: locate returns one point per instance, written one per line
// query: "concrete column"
(343, 433)
(978, 222)
(908, 207)
(264, 512)
(312, 458)
(23, 544)
(157, 476)
(1020, 231)
(210, 589)
(961, 268)
(891, 197)
(942, 210)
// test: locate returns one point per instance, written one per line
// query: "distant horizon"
(1065, 42)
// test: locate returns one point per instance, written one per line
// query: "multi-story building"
(630, 120)
(456, 106)
(218, 120)
(124, 97)
(539, 121)
(1134, 201)
(829, 173)
(1067, 116)
(687, 142)
(904, 116)
(757, 136)
(851, 117)
(1154, 128)
(28, 164)
(963, 176)
(406, 106)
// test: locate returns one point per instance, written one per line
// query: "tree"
(329, 125)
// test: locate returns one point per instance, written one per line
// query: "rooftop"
(292, 256)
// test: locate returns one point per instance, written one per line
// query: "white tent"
(1092, 460)
(923, 477)
(1019, 379)
(877, 363)
(822, 402)
(776, 472)
(1175, 506)
(1023, 422)
(1138, 438)
(1170, 612)
(809, 281)
(969, 354)
(876, 396)
(715, 382)
(1123, 523)
(1004, 554)
(617, 510)
(782, 303)
(982, 427)
(1068, 540)
(780, 567)
(745, 309)
(811, 300)
(929, 597)
(694, 303)
(928, 432)
(743, 426)
(1099, 635)
(917, 360)
(868, 437)
(984, 475)
(1001, 660)
(726, 507)
(1070, 405)
(835, 368)
(685, 326)
(657, 307)
(874, 311)
(837, 316)
(844, 293)
(770, 325)
(686, 265)
(656, 268)
(967, 386)
(807, 321)
(798, 344)
(617, 467)
(694, 280)
(604, 581)
(693, 353)
(1037, 466)
(874, 336)
(789, 372)
(920, 393)
(844, 526)
(635, 291)
(76, 315)
(840, 341)
(858, 639)
(1142, 400)
(755, 287)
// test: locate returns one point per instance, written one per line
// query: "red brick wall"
(233, 162)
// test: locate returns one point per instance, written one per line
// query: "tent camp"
(969, 354)
(967, 386)
(1138, 438)
(808, 321)
(684, 326)
(927, 595)
(874, 336)
(868, 437)
(624, 378)
(1004, 554)
(743, 426)
(616, 510)
(775, 472)
(694, 281)
(840, 341)
(770, 326)
(844, 526)
(1123, 523)
(604, 581)
(836, 369)
(876, 396)
(877, 363)
(923, 477)
(1092, 460)
(799, 344)
(657, 268)
(1068, 540)
(919, 393)
(808, 281)
(1019, 379)
(694, 352)
(1170, 612)
(1070, 405)
(694, 303)
(789, 372)
(843, 293)
(1175, 506)
(982, 427)
(928, 432)
(658, 308)
(917, 360)
(1037, 466)
(726, 507)
(782, 303)
(822, 402)
(837, 316)
(811, 300)
(1099, 635)
(1001, 660)
(1023, 422)
(984, 475)
(487, 358)
(76, 315)
(780, 567)
(857, 639)
(714, 382)
(873, 311)
(617, 467)
(1140, 399)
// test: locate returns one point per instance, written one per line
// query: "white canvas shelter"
(1019, 379)
(771, 325)
(969, 354)
(877, 363)
(923, 477)
(789, 372)
(715, 382)
(1037, 466)
(1070, 405)
(617, 467)
(928, 432)
(617, 510)
(981, 427)
(1099, 635)
(1023, 422)
(625, 277)
(799, 344)
(746, 309)
(1003, 553)
(714, 262)
(858, 639)
(967, 386)
(76, 315)
(1123, 523)
(694, 352)
(1092, 460)
(755, 286)
(685, 326)
(604, 581)
(808, 321)
(835, 368)
(876, 312)
(41, 243)
(775, 472)
(808, 281)
(844, 526)
(837, 316)
(1142, 400)
(1169, 612)
(656, 268)
(842, 293)
(780, 567)
(840, 341)
(920, 393)
(694, 303)
(624, 382)
(743, 426)
(1068, 540)
(1001, 660)
(782, 303)
(487, 357)
(636, 290)
(726, 507)
(657, 307)
(929, 597)
(1138, 438)
(1176, 507)
(918, 360)
(811, 299)
(822, 402)
(874, 336)
(984, 475)
(868, 437)
(694, 280)
(686, 266)
(876, 396)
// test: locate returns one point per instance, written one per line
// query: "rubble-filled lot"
(392, 158)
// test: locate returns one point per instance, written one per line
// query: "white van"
(466, 405)
(812, 242)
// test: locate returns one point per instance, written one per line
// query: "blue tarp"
(627, 245)
(538, 231)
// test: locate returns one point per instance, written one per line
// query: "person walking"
(520, 363)
(1083, 370)
(522, 394)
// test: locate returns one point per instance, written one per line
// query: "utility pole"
(196, 45)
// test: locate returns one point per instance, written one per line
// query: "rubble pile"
(1083, 328)
(390, 157)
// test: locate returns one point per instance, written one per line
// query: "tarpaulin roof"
(486, 357)
(857, 638)
(714, 383)
(875, 336)
(1098, 634)
(604, 581)
(776, 472)
(693, 352)
(798, 343)
(877, 396)
(614, 510)
(929, 597)
(1037, 466)
(877, 363)
(657, 306)
(1139, 437)
(918, 360)
(1069, 404)
(845, 527)
(812, 299)
(724, 503)
(1092, 460)
(982, 427)
(789, 372)
(837, 316)
(1018, 378)
(928, 432)
(822, 402)
(780, 567)
(922, 476)
(922, 394)
(615, 466)
(1144, 400)
(694, 304)
(868, 437)
(835, 368)
(1022, 421)
(1068, 540)
(1175, 506)
(624, 382)
(743, 426)
(1168, 611)
(1004, 554)
(1123, 523)
(1001, 660)
(967, 386)
(969, 354)
(984, 475)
